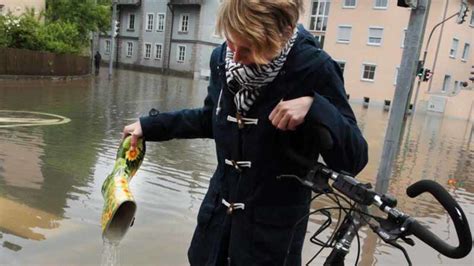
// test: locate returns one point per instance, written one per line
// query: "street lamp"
(113, 34)
(461, 14)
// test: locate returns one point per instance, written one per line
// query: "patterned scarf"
(245, 81)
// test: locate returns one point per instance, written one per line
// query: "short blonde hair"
(267, 24)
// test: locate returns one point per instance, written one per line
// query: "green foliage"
(65, 29)
(60, 37)
(84, 13)
(20, 32)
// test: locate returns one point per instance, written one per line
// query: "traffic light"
(427, 74)
(407, 3)
(116, 28)
(462, 13)
(420, 68)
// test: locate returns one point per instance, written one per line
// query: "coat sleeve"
(331, 110)
(183, 124)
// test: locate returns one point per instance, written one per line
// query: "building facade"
(165, 35)
(367, 38)
(18, 7)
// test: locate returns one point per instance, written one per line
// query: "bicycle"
(396, 225)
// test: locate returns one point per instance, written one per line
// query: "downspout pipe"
(170, 6)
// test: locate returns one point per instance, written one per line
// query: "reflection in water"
(50, 177)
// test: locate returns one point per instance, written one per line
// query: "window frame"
(454, 48)
(471, 22)
(456, 87)
(156, 51)
(349, 7)
(446, 83)
(343, 62)
(364, 64)
(380, 7)
(178, 53)
(466, 53)
(129, 49)
(324, 17)
(181, 21)
(145, 45)
(404, 37)
(160, 22)
(338, 40)
(130, 21)
(108, 47)
(148, 24)
(381, 37)
(397, 69)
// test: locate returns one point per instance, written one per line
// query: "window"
(380, 4)
(1, 9)
(131, 21)
(457, 87)
(446, 82)
(344, 34)
(147, 50)
(149, 21)
(184, 23)
(369, 72)
(319, 15)
(472, 19)
(404, 36)
(375, 36)
(160, 26)
(320, 39)
(454, 48)
(349, 4)
(107, 46)
(129, 49)
(396, 75)
(342, 65)
(465, 52)
(158, 51)
(181, 53)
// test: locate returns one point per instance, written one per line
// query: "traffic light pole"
(405, 79)
(424, 58)
(112, 37)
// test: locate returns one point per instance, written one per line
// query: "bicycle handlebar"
(457, 215)
(362, 194)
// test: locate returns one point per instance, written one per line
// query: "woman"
(270, 86)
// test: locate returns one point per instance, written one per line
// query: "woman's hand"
(135, 130)
(287, 115)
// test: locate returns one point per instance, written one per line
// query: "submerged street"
(58, 141)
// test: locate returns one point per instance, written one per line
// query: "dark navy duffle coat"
(250, 156)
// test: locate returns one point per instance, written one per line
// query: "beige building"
(17, 7)
(366, 37)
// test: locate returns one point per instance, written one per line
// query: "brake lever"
(404, 251)
(391, 239)
(317, 183)
(408, 240)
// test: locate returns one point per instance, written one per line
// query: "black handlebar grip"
(457, 215)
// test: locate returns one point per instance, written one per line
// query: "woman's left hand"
(287, 115)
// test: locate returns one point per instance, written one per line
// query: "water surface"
(50, 175)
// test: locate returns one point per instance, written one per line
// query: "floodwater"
(58, 141)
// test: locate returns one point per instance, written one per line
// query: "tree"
(86, 15)
(65, 29)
